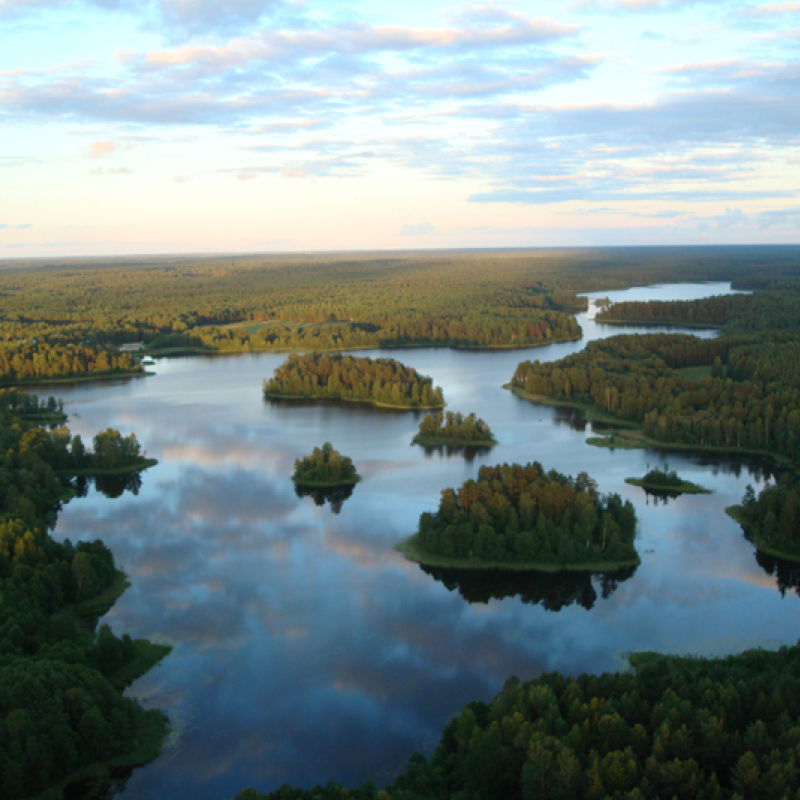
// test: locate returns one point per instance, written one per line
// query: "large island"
(521, 517)
(380, 381)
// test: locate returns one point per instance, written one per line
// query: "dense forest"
(684, 728)
(455, 429)
(381, 381)
(771, 520)
(521, 515)
(325, 468)
(61, 708)
(66, 318)
(746, 398)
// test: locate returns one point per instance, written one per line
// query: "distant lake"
(305, 648)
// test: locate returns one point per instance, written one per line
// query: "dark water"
(305, 648)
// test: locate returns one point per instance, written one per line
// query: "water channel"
(305, 648)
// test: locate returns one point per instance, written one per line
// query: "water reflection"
(335, 497)
(787, 573)
(111, 486)
(660, 496)
(553, 591)
(468, 452)
(305, 648)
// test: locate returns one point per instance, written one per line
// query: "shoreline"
(734, 512)
(685, 487)
(272, 396)
(93, 472)
(432, 441)
(410, 551)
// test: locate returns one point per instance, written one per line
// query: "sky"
(205, 126)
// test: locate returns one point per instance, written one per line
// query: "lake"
(305, 648)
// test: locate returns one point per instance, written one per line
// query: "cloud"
(100, 149)
(421, 229)
(732, 217)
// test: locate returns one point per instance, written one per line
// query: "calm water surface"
(305, 648)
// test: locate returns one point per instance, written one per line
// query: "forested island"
(325, 468)
(521, 517)
(666, 480)
(771, 520)
(380, 381)
(686, 728)
(62, 712)
(454, 428)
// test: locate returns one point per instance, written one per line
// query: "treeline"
(382, 381)
(28, 361)
(60, 703)
(523, 515)
(684, 728)
(772, 519)
(755, 406)
(310, 302)
(736, 313)
(453, 428)
(325, 467)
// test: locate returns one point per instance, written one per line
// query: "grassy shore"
(684, 487)
(96, 606)
(273, 396)
(636, 439)
(590, 412)
(660, 323)
(410, 549)
(84, 378)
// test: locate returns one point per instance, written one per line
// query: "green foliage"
(382, 381)
(324, 467)
(58, 710)
(756, 406)
(772, 520)
(692, 729)
(522, 514)
(453, 428)
(663, 476)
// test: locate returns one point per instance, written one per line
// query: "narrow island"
(771, 520)
(667, 481)
(380, 381)
(519, 517)
(325, 468)
(453, 429)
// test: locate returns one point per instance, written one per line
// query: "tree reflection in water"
(786, 572)
(335, 497)
(553, 591)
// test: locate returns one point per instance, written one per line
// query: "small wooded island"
(667, 481)
(521, 517)
(325, 468)
(380, 381)
(771, 521)
(454, 429)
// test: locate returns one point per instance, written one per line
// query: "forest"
(519, 515)
(325, 468)
(685, 728)
(453, 428)
(380, 381)
(671, 727)
(746, 399)
(61, 706)
(771, 520)
(63, 318)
